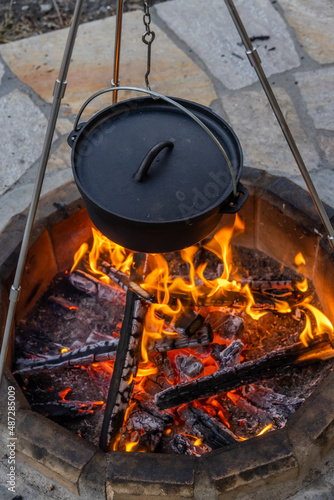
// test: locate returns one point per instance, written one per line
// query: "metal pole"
(117, 51)
(255, 61)
(58, 94)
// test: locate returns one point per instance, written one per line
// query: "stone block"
(150, 475)
(52, 450)
(250, 462)
(308, 427)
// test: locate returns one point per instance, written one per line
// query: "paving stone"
(17, 199)
(261, 138)
(313, 22)
(36, 62)
(64, 126)
(60, 159)
(211, 34)
(2, 71)
(317, 90)
(21, 128)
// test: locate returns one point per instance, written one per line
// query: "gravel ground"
(23, 18)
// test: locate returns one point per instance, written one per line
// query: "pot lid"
(184, 173)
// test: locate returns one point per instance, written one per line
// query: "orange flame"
(269, 426)
(132, 444)
(79, 255)
(302, 286)
(299, 260)
(64, 393)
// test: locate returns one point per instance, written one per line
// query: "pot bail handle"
(155, 95)
(143, 168)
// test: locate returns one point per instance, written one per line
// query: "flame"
(197, 441)
(267, 427)
(302, 286)
(251, 302)
(120, 258)
(169, 295)
(307, 332)
(64, 393)
(299, 260)
(79, 255)
(131, 445)
(323, 323)
(64, 349)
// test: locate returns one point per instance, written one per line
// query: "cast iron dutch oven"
(156, 175)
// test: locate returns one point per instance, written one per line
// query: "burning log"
(93, 353)
(275, 403)
(181, 445)
(188, 323)
(203, 337)
(64, 410)
(123, 281)
(213, 433)
(227, 356)
(125, 369)
(188, 367)
(245, 373)
(227, 326)
(63, 302)
(225, 298)
(164, 366)
(92, 286)
(265, 417)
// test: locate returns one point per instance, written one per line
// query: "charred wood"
(212, 432)
(204, 336)
(263, 416)
(92, 353)
(61, 301)
(245, 373)
(227, 356)
(164, 366)
(125, 369)
(273, 402)
(64, 410)
(188, 322)
(181, 445)
(92, 286)
(188, 367)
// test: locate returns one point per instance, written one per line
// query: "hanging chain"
(148, 38)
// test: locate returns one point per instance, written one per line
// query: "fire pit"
(284, 455)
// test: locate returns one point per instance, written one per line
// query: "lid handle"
(143, 168)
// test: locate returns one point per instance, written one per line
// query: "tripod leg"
(58, 94)
(255, 61)
(117, 50)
